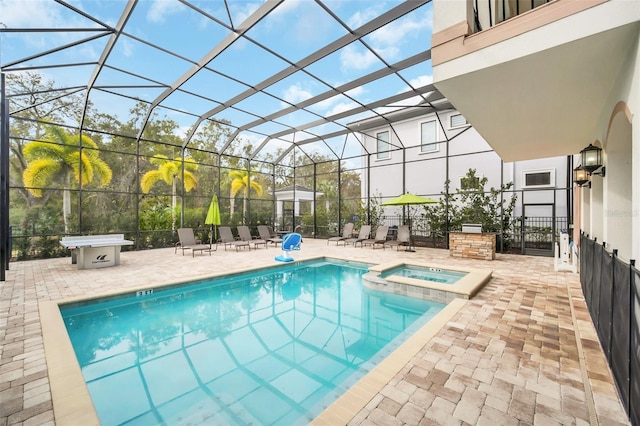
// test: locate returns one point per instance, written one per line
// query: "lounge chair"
(346, 233)
(226, 238)
(188, 242)
(365, 231)
(403, 239)
(380, 237)
(267, 235)
(290, 242)
(245, 235)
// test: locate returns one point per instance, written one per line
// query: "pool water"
(437, 275)
(272, 347)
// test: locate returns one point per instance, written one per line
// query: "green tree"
(473, 204)
(57, 158)
(241, 182)
(170, 172)
(371, 214)
(34, 101)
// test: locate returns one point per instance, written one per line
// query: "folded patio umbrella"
(213, 216)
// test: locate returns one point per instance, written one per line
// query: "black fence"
(529, 235)
(611, 289)
(536, 234)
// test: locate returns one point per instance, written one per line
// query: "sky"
(163, 39)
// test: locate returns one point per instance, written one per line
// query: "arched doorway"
(618, 182)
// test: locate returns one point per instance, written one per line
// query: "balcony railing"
(611, 289)
(488, 13)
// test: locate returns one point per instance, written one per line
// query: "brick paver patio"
(523, 351)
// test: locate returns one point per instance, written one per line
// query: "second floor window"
(428, 137)
(383, 146)
(539, 178)
(457, 120)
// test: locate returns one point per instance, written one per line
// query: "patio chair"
(290, 242)
(245, 235)
(403, 239)
(365, 231)
(228, 240)
(346, 233)
(188, 242)
(380, 237)
(267, 235)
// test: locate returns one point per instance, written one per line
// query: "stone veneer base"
(472, 245)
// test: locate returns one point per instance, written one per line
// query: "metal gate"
(538, 229)
(287, 221)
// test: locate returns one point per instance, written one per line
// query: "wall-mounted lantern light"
(591, 158)
(580, 175)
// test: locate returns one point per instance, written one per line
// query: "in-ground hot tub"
(438, 283)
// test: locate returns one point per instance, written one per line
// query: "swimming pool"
(274, 346)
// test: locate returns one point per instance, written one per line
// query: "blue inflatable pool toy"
(290, 242)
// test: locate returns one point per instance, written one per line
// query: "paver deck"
(522, 351)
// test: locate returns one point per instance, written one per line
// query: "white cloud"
(126, 46)
(161, 8)
(272, 148)
(296, 93)
(356, 91)
(362, 16)
(416, 82)
(287, 6)
(351, 58)
(242, 13)
(21, 14)
(388, 53)
(182, 131)
(88, 51)
(297, 16)
(394, 32)
(422, 80)
(386, 41)
(326, 104)
(41, 14)
(341, 107)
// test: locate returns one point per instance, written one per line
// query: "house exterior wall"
(560, 35)
(633, 100)
(425, 173)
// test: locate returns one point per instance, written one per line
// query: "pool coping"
(72, 403)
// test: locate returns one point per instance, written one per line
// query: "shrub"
(472, 205)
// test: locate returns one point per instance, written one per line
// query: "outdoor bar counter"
(471, 243)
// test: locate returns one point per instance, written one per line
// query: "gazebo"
(295, 194)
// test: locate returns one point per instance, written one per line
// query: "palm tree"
(242, 183)
(329, 190)
(58, 157)
(169, 172)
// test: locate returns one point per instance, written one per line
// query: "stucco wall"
(425, 173)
